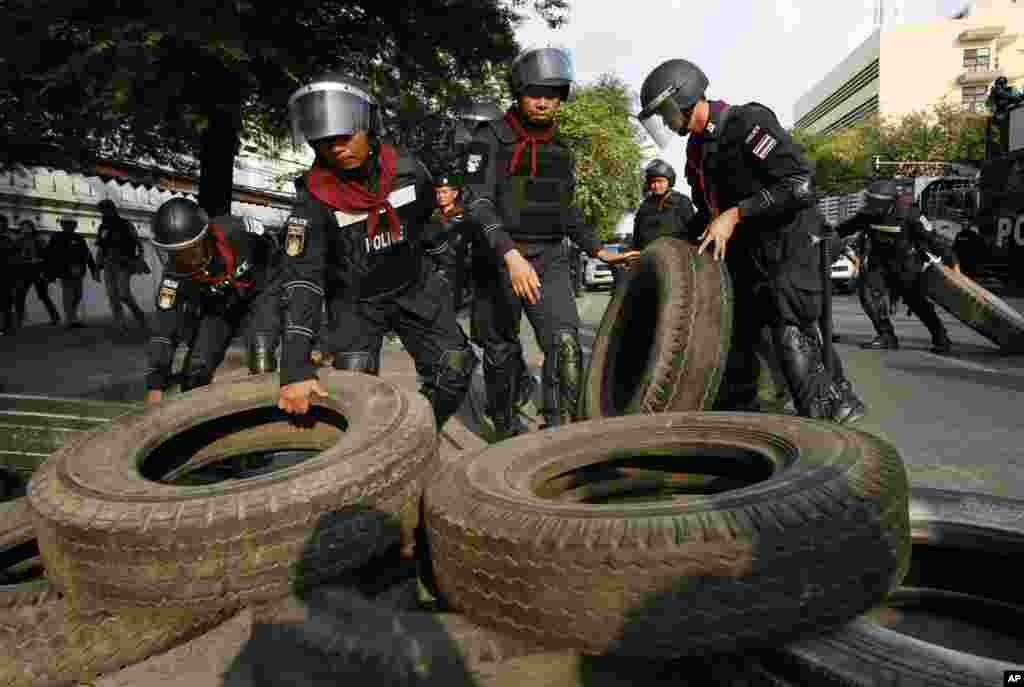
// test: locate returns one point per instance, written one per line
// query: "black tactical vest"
(532, 208)
(653, 223)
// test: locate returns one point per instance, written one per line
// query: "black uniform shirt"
(215, 292)
(326, 249)
(899, 236)
(655, 218)
(68, 255)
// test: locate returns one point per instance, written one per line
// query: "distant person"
(119, 252)
(7, 281)
(67, 258)
(665, 211)
(30, 271)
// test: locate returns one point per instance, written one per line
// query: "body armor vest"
(653, 223)
(533, 208)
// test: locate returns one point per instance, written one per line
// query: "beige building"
(911, 66)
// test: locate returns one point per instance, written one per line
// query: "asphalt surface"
(958, 419)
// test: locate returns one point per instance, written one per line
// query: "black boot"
(847, 406)
(882, 342)
(502, 384)
(814, 394)
(941, 342)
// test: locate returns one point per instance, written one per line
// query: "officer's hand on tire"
(294, 398)
(525, 282)
(719, 232)
(154, 396)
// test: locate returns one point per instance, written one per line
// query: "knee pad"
(358, 361)
(262, 354)
(455, 369)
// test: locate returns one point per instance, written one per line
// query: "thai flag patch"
(764, 145)
(753, 132)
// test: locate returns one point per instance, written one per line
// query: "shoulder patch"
(168, 294)
(295, 236)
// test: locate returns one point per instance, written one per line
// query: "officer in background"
(118, 256)
(524, 176)
(896, 241)
(753, 193)
(356, 238)
(30, 271)
(67, 258)
(665, 211)
(449, 243)
(218, 278)
(7, 281)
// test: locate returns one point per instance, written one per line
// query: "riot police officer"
(896, 239)
(218, 278)
(665, 211)
(356, 238)
(752, 187)
(522, 176)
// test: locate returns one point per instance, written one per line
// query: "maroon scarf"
(525, 137)
(351, 196)
(695, 160)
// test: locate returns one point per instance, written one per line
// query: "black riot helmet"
(333, 104)
(542, 67)
(179, 229)
(660, 168)
(471, 117)
(880, 197)
(668, 96)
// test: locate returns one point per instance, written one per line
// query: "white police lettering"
(383, 241)
(1008, 226)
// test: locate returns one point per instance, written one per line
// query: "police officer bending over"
(896, 241)
(523, 178)
(356, 238)
(221, 272)
(755, 199)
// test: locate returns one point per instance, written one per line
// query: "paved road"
(958, 420)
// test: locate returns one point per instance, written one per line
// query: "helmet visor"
(327, 109)
(662, 119)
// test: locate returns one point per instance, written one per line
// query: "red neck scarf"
(525, 137)
(695, 160)
(225, 251)
(351, 196)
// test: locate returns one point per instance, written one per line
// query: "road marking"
(967, 364)
(53, 415)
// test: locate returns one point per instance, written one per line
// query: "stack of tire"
(776, 528)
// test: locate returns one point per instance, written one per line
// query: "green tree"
(599, 128)
(943, 133)
(183, 83)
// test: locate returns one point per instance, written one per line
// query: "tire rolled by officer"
(356, 240)
(219, 279)
(523, 177)
(753, 192)
(897, 241)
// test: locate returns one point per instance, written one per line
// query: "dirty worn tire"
(111, 537)
(664, 338)
(816, 543)
(975, 306)
(985, 530)
(18, 545)
(59, 648)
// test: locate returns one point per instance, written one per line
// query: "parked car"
(844, 275)
(597, 273)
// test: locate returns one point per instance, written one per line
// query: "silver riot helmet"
(667, 98)
(333, 105)
(550, 67)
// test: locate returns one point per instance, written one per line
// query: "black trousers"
(214, 331)
(497, 312)
(885, 279)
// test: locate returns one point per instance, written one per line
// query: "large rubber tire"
(977, 307)
(18, 548)
(111, 536)
(821, 539)
(986, 531)
(664, 338)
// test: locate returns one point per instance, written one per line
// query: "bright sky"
(771, 52)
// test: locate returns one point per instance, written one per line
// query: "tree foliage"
(609, 149)
(845, 158)
(178, 83)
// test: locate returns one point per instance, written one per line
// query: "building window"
(977, 59)
(973, 99)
